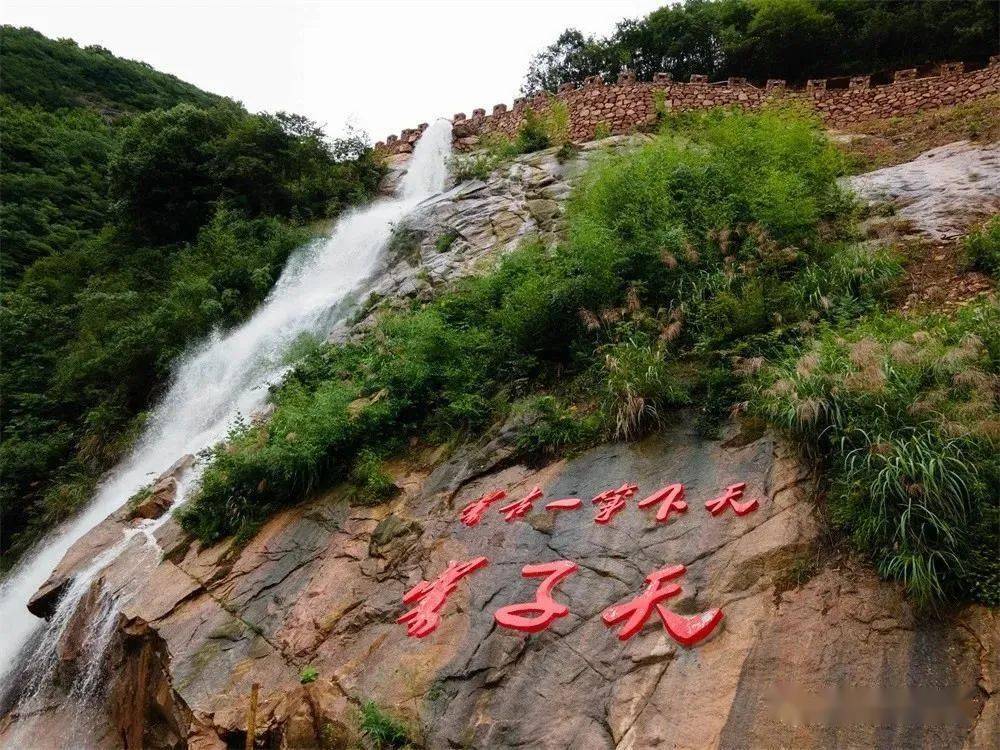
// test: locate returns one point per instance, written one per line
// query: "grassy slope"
(882, 143)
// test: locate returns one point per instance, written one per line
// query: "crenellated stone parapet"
(629, 105)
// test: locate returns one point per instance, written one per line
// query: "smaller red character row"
(610, 502)
(537, 615)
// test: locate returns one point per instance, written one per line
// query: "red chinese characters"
(686, 630)
(730, 498)
(521, 508)
(532, 617)
(472, 513)
(611, 502)
(430, 597)
(636, 612)
(669, 498)
(567, 503)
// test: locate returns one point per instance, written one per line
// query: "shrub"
(446, 240)
(496, 149)
(476, 166)
(382, 730)
(904, 412)
(533, 135)
(601, 131)
(557, 122)
(637, 387)
(982, 247)
(308, 674)
(372, 483)
(550, 426)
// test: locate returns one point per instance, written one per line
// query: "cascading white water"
(225, 378)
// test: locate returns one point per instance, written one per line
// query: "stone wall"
(628, 105)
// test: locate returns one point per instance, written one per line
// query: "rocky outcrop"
(941, 192)
(107, 534)
(464, 229)
(804, 635)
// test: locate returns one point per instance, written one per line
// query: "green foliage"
(760, 39)
(637, 386)
(53, 74)
(476, 166)
(496, 150)
(557, 122)
(125, 239)
(446, 240)
(52, 182)
(382, 730)
(672, 251)
(372, 483)
(982, 247)
(533, 135)
(905, 413)
(601, 131)
(660, 107)
(308, 674)
(172, 167)
(549, 426)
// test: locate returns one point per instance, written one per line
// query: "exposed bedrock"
(322, 583)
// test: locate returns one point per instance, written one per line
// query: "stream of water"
(220, 381)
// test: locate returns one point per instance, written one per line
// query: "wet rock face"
(322, 585)
(106, 534)
(159, 500)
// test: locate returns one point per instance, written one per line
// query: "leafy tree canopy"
(138, 213)
(759, 39)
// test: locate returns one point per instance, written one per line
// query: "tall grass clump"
(381, 730)
(982, 247)
(721, 240)
(904, 413)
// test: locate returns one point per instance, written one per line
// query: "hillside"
(60, 103)
(125, 192)
(57, 74)
(544, 368)
(642, 413)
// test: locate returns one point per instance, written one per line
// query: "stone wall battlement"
(628, 105)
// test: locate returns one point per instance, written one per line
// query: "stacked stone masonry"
(628, 105)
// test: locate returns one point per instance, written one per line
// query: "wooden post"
(252, 716)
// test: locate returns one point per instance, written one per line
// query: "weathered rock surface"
(107, 534)
(462, 230)
(322, 583)
(941, 192)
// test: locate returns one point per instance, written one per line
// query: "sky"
(380, 65)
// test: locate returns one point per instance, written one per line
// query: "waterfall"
(224, 378)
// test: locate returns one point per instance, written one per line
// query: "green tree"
(792, 39)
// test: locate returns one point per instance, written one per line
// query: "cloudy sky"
(382, 65)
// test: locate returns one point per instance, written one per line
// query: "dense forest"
(138, 213)
(760, 39)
